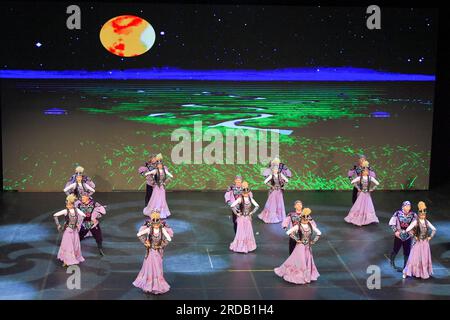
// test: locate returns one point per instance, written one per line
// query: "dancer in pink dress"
(292, 219)
(160, 176)
(356, 171)
(363, 212)
(276, 162)
(155, 235)
(79, 183)
(244, 240)
(70, 249)
(419, 262)
(299, 268)
(233, 192)
(274, 211)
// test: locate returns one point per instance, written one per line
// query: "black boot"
(392, 258)
(405, 261)
(100, 250)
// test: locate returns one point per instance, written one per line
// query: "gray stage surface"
(198, 263)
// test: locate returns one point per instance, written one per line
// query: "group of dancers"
(411, 231)
(82, 217)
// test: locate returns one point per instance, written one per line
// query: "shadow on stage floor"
(198, 263)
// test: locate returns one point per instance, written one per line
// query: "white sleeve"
(411, 226)
(255, 203)
(431, 226)
(236, 202)
(316, 230)
(60, 213)
(81, 213)
(169, 174)
(143, 231)
(89, 188)
(294, 228)
(166, 234)
(372, 179)
(69, 187)
(268, 179)
(355, 180)
(151, 172)
(284, 177)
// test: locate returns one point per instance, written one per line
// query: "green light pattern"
(318, 162)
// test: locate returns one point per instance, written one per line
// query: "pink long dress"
(274, 210)
(151, 276)
(244, 240)
(299, 268)
(70, 248)
(363, 212)
(158, 199)
(419, 262)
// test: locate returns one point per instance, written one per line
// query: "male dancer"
(356, 172)
(91, 225)
(146, 168)
(292, 219)
(399, 222)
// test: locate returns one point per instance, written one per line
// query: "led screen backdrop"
(329, 85)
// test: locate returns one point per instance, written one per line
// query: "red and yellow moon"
(127, 36)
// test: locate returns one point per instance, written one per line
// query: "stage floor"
(198, 263)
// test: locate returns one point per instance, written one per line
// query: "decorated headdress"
(155, 216)
(365, 164)
(79, 170)
(245, 187)
(71, 198)
(85, 193)
(275, 162)
(422, 207)
(306, 212)
(405, 203)
(158, 157)
(297, 201)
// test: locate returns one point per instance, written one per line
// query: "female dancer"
(363, 212)
(299, 268)
(155, 235)
(419, 262)
(79, 186)
(274, 211)
(160, 176)
(70, 250)
(283, 168)
(244, 240)
(356, 171)
(232, 193)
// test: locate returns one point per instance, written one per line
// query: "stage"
(198, 263)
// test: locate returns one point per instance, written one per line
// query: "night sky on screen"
(222, 37)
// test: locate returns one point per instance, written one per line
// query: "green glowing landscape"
(111, 128)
